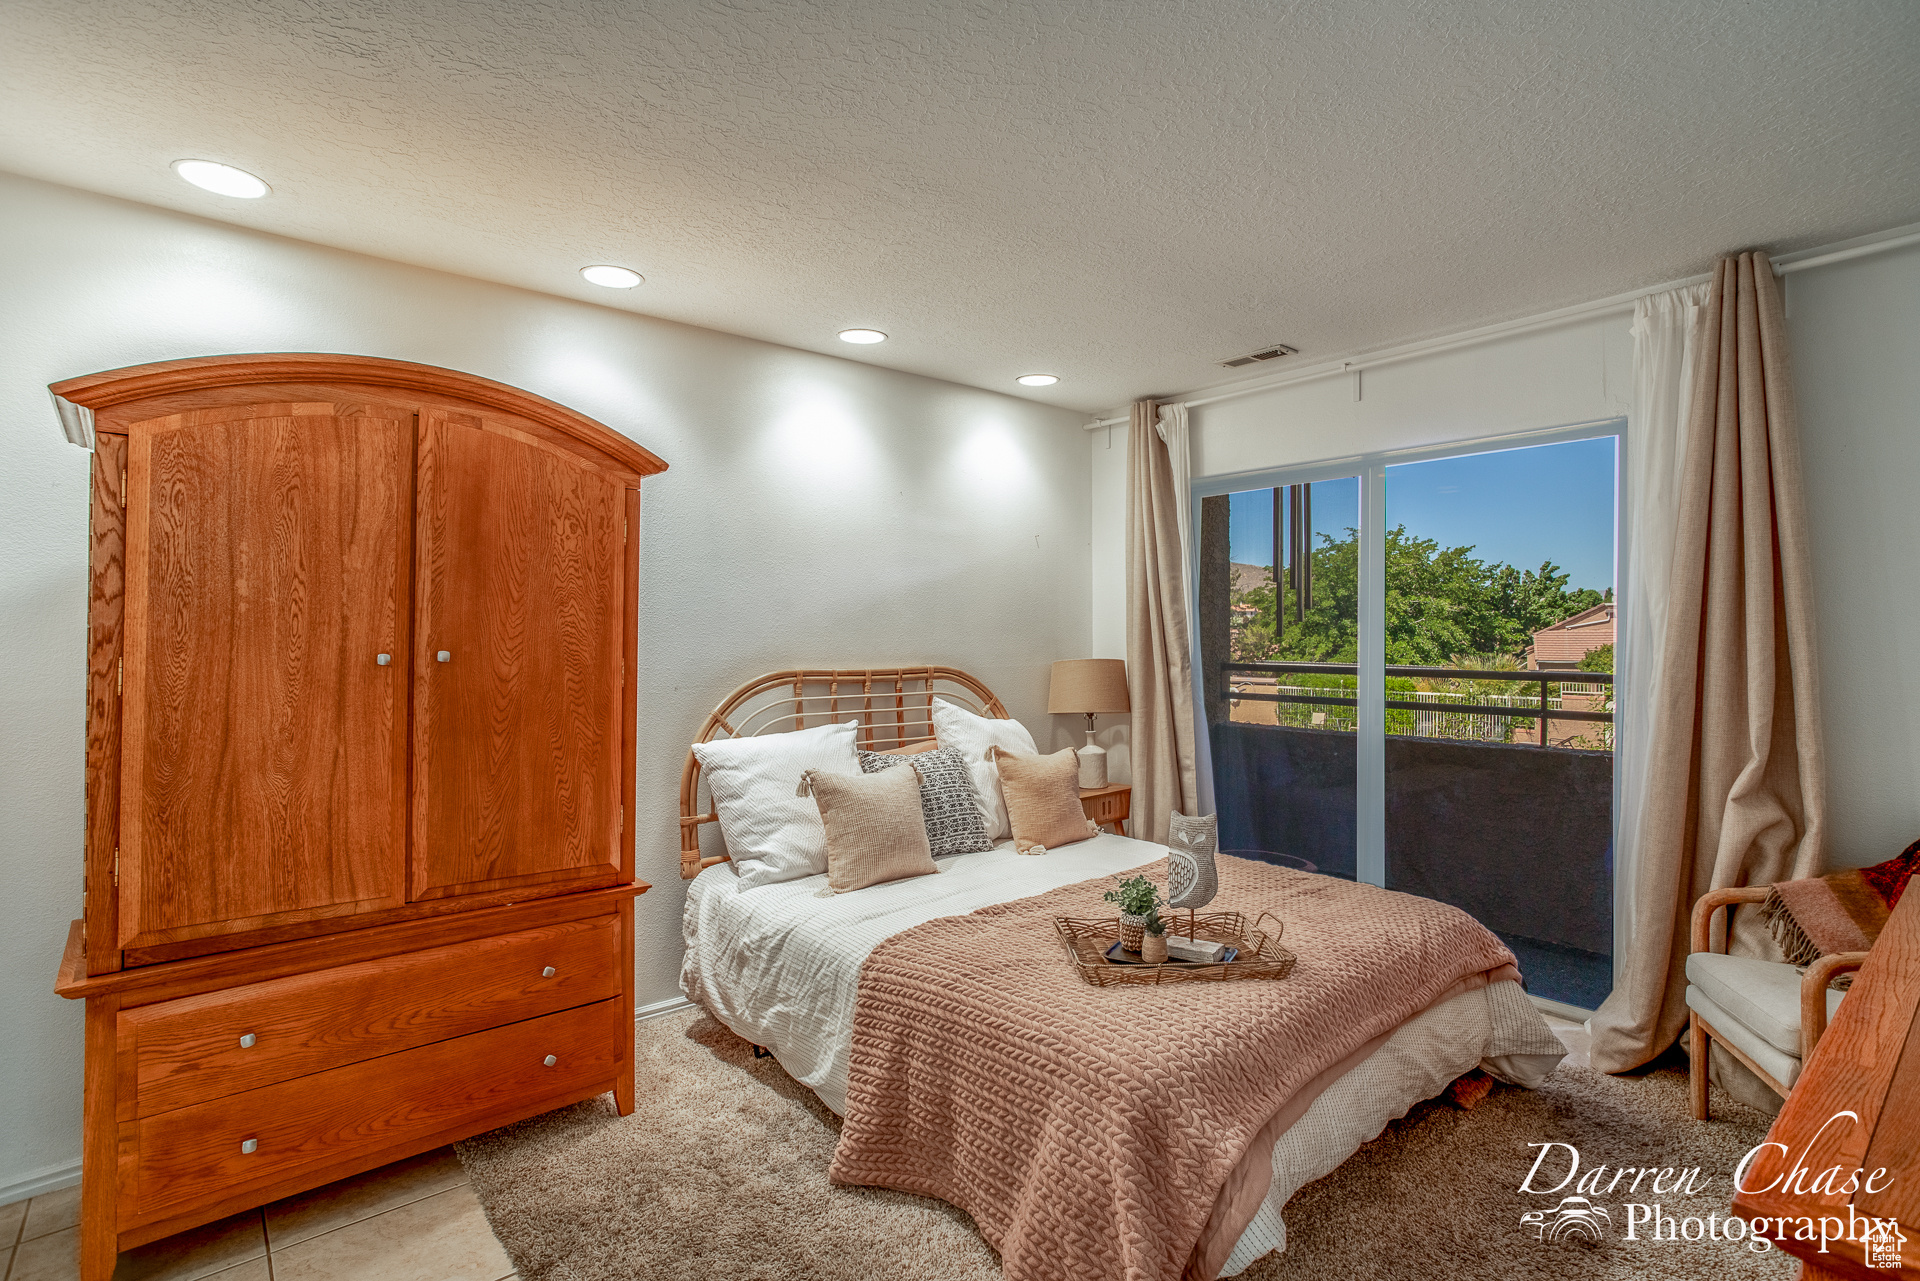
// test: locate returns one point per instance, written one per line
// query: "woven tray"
(1261, 956)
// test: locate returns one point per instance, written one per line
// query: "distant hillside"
(1248, 577)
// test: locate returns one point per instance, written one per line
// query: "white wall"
(1854, 329)
(1855, 334)
(816, 511)
(1575, 372)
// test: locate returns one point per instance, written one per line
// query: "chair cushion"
(1763, 996)
(1784, 1068)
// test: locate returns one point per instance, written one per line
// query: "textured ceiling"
(1123, 192)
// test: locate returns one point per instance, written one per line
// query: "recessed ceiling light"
(611, 277)
(221, 180)
(862, 335)
(1037, 380)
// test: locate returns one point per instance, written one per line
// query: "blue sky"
(1521, 506)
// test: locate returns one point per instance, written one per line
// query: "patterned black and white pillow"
(954, 821)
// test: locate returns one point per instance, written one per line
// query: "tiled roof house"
(1568, 641)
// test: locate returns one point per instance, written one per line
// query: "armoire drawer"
(196, 1154)
(197, 1048)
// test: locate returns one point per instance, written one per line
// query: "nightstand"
(1107, 806)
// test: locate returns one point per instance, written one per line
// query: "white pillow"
(771, 833)
(959, 728)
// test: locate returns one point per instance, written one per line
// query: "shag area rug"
(721, 1172)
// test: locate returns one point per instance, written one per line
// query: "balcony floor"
(1562, 973)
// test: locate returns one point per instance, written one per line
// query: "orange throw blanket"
(1841, 912)
(1091, 1131)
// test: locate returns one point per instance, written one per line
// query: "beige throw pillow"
(1043, 799)
(875, 831)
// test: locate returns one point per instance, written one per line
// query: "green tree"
(1598, 660)
(1534, 599)
(1440, 601)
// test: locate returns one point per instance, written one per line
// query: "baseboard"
(658, 1008)
(1560, 1009)
(48, 1180)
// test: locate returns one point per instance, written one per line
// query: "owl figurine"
(1191, 879)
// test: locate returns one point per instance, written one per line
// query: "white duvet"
(780, 965)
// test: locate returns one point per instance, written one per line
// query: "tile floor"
(415, 1220)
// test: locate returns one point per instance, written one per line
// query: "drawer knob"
(249, 1146)
(246, 1041)
(548, 973)
(444, 656)
(383, 659)
(552, 1059)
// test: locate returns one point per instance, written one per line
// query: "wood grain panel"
(519, 578)
(117, 418)
(623, 1083)
(187, 1051)
(106, 599)
(192, 1154)
(111, 393)
(630, 685)
(99, 1155)
(1896, 1142)
(264, 749)
(219, 1203)
(1867, 1064)
(330, 927)
(147, 984)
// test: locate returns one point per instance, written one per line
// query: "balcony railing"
(1540, 705)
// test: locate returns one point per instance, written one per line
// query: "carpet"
(721, 1173)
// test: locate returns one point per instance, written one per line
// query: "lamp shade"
(1088, 686)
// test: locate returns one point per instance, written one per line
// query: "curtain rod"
(1894, 238)
(1898, 238)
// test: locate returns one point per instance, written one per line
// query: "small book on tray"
(1181, 948)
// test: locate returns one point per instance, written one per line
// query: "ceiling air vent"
(1270, 353)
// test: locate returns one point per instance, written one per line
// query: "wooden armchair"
(1767, 1014)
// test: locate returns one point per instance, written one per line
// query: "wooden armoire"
(359, 778)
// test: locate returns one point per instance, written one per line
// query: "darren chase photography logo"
(1573, 1217)
(1656, 1205)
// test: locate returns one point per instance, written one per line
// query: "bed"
(781, 964)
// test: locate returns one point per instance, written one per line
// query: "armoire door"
(267, 628)
(518, 663)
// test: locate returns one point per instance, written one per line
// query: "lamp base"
(1093, 764)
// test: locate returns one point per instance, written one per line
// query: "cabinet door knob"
(445, 656)
(547, 973)
(249, 1146)
(552, 1059)
(246, 1041)
(383, 659)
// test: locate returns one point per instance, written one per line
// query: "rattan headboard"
(894, 706)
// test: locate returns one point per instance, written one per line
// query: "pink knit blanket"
(1114, 1132)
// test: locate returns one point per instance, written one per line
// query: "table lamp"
(1090, 687)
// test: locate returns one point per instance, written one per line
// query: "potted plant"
(1153, 939)
(1138, 898)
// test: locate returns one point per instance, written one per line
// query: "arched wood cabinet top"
(109, 400)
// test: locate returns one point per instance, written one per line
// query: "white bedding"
(780, 965)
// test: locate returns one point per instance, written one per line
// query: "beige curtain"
(1159, 662)
(1735, 790)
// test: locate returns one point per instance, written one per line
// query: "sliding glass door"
(1280, 568)
(1407, 679)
